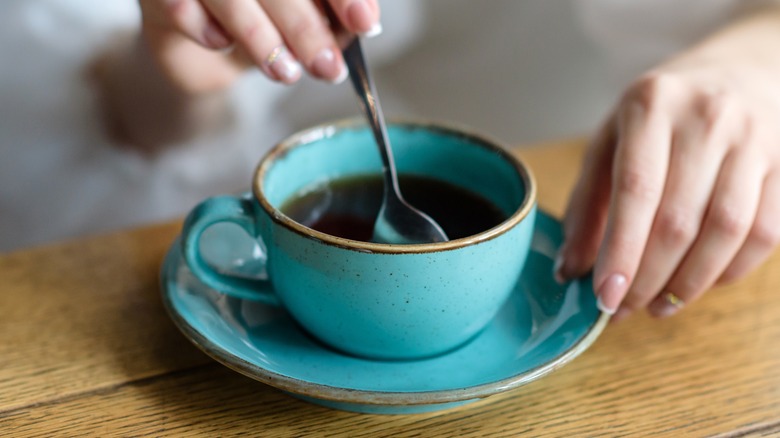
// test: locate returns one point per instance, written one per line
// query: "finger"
(306, 32)
(729, 216)
(257, 36)
(639, 172)
(764, 235)
(698, 147)
(358, 16)
(586, 213)
(188, 17)
(181, 63)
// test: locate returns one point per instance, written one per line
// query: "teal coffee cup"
(380, 301)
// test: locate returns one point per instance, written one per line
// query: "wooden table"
(88, 350)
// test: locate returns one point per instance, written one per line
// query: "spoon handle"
(369, 100)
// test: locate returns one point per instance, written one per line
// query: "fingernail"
(612, 291)
(326, 67)
(603, 308)
(214, 37)
(360, 17)
(342, 76)
(375, 30)
(558, 269)
(228, 50)
(286, 68)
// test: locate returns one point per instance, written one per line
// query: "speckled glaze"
(541, 327)
(377, 300)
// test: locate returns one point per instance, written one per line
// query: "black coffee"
(348, 207)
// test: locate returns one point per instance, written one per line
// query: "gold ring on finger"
(674, 300)
(274, 55)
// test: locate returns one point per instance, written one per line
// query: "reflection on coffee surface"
(348, 207)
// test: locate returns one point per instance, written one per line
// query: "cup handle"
(242, 212)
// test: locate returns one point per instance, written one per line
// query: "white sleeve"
(60, 174)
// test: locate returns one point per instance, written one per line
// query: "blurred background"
(523, 71)
(520, 71)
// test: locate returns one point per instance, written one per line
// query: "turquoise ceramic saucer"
(542, 327)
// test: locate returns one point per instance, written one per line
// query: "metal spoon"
(397, 222)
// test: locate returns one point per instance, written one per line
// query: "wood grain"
(88, 350)
(85, 315)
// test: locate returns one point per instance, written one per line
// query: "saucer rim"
(361, 396)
